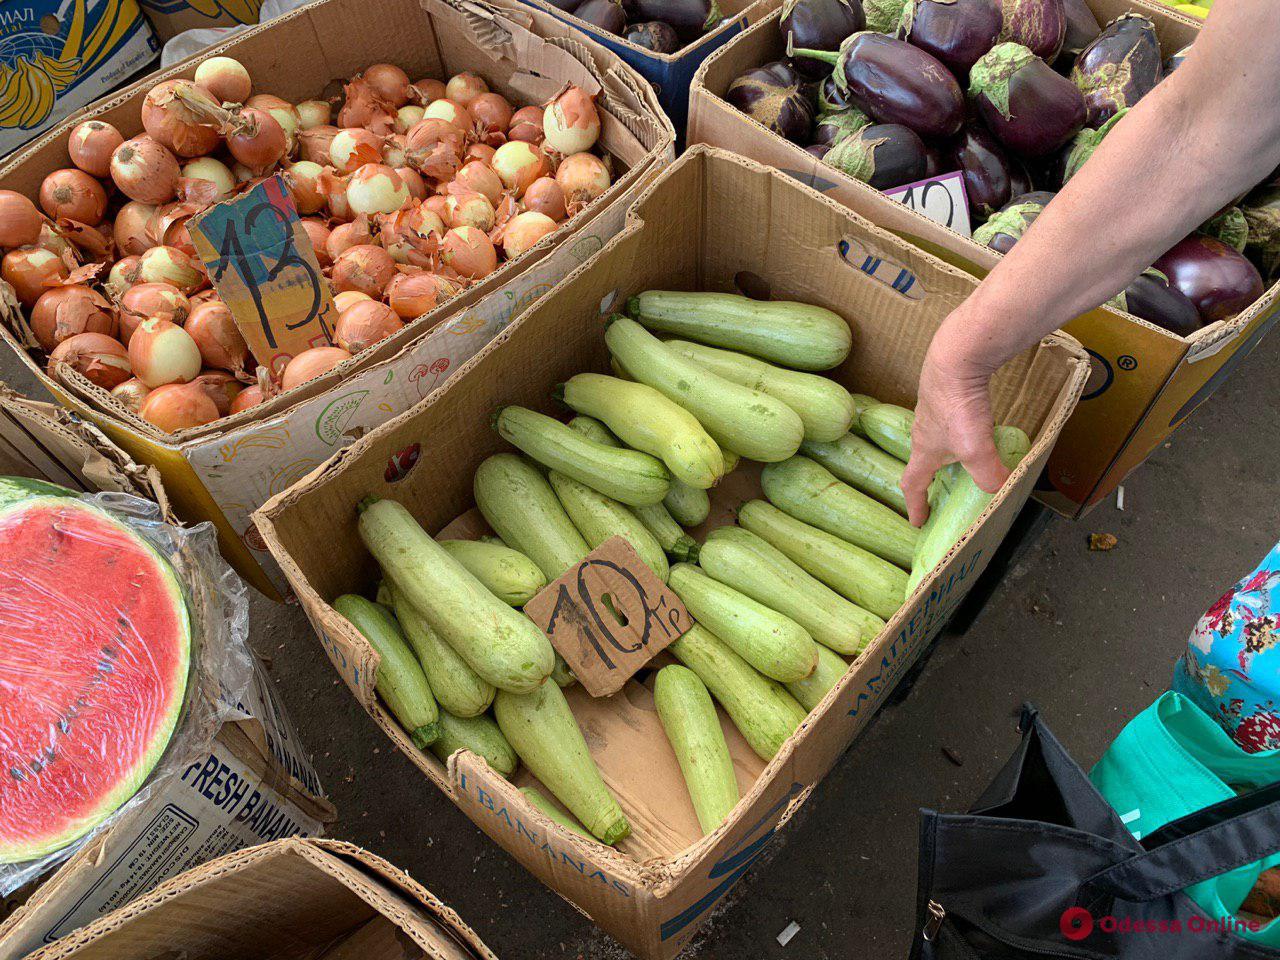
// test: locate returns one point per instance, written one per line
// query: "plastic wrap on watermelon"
(123, 640)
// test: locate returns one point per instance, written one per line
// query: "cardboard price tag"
(942, 199)
(263, 266)
(609, 616)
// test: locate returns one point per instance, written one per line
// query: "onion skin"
(226, 80)
(90, 145)
(221, 387)
(364, 267)
(98, 358)
(170, 122)
(318, 234)
(250, 396)
(145, 170)
(31, 271)
(165, 264)
(1119, 68)
(161, 352)
(1219, 280)
(773, 95)
(389, 82)
(607, 15)
(583, 177)
(20, 221)
(1039, 25)
(956, 32)
(1151, 298)
(654, 35)
(545, 195)
(131, 393)
(64, 312)
(526, 125)
(146, 300)
(365, 323)
(818, 25)
(987, 173)
(178, 406)
(411, 295)
(261, 143)
(469, 252)
(518, 164)
(218, 338)
(523, 231)
(882, 155)
(310, 364)
(1031, 110)
(571, 122)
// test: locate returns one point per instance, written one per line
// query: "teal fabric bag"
(1172, 760)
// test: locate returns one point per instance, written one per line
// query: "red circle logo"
(1076, 923)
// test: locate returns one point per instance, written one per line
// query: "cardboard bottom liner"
(712, 222)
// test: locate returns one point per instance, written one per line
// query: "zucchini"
(545, 735)
(508, 574)
(553, 813)
(457, 687)
(628, 476)
(480, 735)
(751, 565)
(825, 408)
(774, 644)
(598, 518)
(400, 681)
(561, 673)
(520, 505)
(888, 426)
(797, 335)
(762, 710)
(746, 421)
(644, 419)
(863, 466)
(593, 429)
(952, 518)
(850, 571)
(810, 691)
(692, 726)
(689, 505)
(383, 596)
(807, 490)
(860, 403)
(501, 644)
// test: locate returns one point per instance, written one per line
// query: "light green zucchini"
(689, 505)
(826, 409)
(888, 426)
(864, 466)
(810, 691)
(751, 565)
(553, 813)
(508, 574)
(628, 476)
(561, 674)
(598, 518)
(746, 421)
(383, 596)
(856, 574)
(808, 491)
(480, 735)
(860, 403)
(797, 335)
(644, 419)
(546, 737)
(762, 710)
(689, 718)
(774, 644)
(502, 645)
(518, 502)
(457, 687)
(400, 681)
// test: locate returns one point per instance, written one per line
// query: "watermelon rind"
(149, 754)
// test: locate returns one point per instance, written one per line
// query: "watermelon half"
(95, 650)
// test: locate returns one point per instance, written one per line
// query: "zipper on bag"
(934, 924)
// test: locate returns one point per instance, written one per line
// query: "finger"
(915, 485)
(979, 456)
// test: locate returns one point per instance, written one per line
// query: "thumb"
(982, 460)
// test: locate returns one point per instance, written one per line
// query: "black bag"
(1042, 866)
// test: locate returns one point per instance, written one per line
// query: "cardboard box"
(55, 57)
(314, 899)
(671, 73)
(224, 471)
(1145, 380)
(711, 221)
(171, 17)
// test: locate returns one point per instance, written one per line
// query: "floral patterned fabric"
(1231, 668)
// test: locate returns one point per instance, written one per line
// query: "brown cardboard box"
(710, 221)
(224, 471)
(286, 900)
(1145, 380)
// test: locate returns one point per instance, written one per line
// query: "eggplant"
(883, 16)
(654, 35)
(956, 32)
(689, 18)
(834, 127)
(1076, 153)
(568, 6)
(1175, 61)
(1228, 225)
(1119, 68)
(818, 25)
(933, 165)
(1031, 110)
(1152, 298)
(1218, 279)
(1040, 198)
(1019, 178)
(1082, 29)
(605, 14)
(831, 99)
(1262, 212)
(773, 95)
(986, 169)
(1038, 25)
(883, 155)
(896, 83)
(1006, 227)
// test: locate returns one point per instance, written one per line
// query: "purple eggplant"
(654, 35)
(605, 14)
(689, 18)
(1019, 178)
(1031, 110)
(1038, 25)
(956, 32)
(1119, 68)
(896, 83)
(883, 16)
(834, 127)
(884, 155)
(773, 95)
(818, 150)
(1079, 150)
(1006, 227)
(831, 99)
(986, 170)
(818, 25)
(1262, 212)
(1218, 279)
(933, 165)
(568, 6)
(1082, 29)
(1152, 298)
(1175, 61)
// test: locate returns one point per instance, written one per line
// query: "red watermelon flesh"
(95, 648)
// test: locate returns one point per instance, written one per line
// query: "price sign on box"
(608, 616)
(941, 199)
(263, 266)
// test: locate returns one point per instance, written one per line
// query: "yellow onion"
(469, 252)
(479, 176)
(571, 123)
(283, 112)
(303, 181)
(166, 264)
(395, 153)
(250, 396)
(131, 393)
(545, 195)
(170, 119)
(318, 233)
(480, 151)
(90, 145)
(518, 164)
(225, 79)
(493, 112)
(312, 114)
(450, 111)
(434, 147)
(345, 236)
(178, 406)
(364, 267)
(583, 176)
(526, 125)
(222, 388)
(348, 298)
(411, 235)
(122, 276)
(413, 181)
(98, 358)
(407, 116)
(389, 82)
(310, 364)
(161, 352)
(64, 312)
(257, 140)
(217, 337)
(426, 90)
(465, 87)
(214, 171)
(130, 228)
(467, 208)
(145, 170)
(31, 271)
(314, 143)
(375, 188)
(353, 147)
(146, 300)
(73, 194)
(20, 221)
(411, 295)
(524, 230)
(365, 323)
(169, 226)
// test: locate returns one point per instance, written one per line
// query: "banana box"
(171, 17)
(56, 56)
